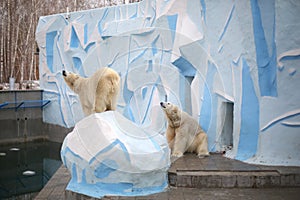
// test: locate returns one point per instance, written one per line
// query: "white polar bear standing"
(97, 93)
(183, 133)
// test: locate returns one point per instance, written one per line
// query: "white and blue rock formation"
(108, 154)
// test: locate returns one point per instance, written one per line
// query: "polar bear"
(183, 133)
(97, 93)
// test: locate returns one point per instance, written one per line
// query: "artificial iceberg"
(107, 154)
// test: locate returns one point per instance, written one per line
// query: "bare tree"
(2, 43)
(19, 18)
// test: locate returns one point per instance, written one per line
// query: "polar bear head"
(70, 79)
(173, 113)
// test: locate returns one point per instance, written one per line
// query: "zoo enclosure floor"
(213, 177)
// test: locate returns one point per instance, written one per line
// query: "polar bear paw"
(177, 154)
(203, 155)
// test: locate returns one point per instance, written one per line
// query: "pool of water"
(26, 167)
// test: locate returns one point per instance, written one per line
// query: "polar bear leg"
(102, 94)
(170, 135)
(107, 93)
(113, 103)
(87, 111)
(100, 105)
(202, 147)
(179, 144)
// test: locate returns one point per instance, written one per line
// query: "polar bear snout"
(162, 105)
(64, 73)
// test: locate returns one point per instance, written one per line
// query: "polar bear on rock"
(183, 133)
(97, 93)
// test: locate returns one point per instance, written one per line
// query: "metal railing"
(24, 104)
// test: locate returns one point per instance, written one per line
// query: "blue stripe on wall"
(78, 65)
(127, 95)
(172, 21)
(249, 117)
(85, 37)
(118, 143)
(185, 67)
(50, 39)
(105, 168)
(203, 11)
(206, 109)
(74, 43)
(205, 114)
(266, 64)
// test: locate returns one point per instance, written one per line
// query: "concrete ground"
(214, 177)
(220, 194)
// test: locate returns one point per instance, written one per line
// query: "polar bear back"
(98, 93)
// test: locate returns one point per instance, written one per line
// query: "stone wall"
(25, 123)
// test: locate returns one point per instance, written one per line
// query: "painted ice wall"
(234, 65)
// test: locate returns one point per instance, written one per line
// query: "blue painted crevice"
(154, 47)
(185, 67)
(138, 54)
(78, 65)
(105, 168)
(290, 57)
(74, 172)
(89, 46)
(144, 92)
(127, 95)
(172, 21)
(74, 43)
(281, 120)
(182, 92)
(227, 23)
(111, 146)
(291, 125)
(85, 37)
(105, 13)
(50, 39)
(203, 11)
(206, 109)
(154, 87)
(249, 117)
(150, 66)
(128, 113)
(266, 64)
(67, 150)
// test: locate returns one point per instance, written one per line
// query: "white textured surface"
(106, 148)
(243, 52)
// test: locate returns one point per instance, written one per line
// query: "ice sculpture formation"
(107, 154)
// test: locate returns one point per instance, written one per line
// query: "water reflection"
(26, 167)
